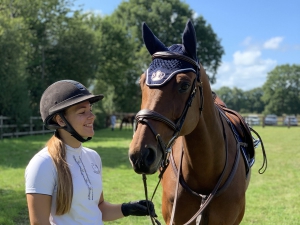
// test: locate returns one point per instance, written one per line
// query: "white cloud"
(246, 58)
(195, 15)
(247, 41)
(273, 43)
(247, 70)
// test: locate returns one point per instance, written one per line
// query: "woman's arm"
(39, 207)
(117, 211)
(110, 211)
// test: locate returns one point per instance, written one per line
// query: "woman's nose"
(92, 115)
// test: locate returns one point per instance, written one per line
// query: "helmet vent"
(80, 86)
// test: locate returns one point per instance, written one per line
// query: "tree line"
(42, 41)
(279, 95)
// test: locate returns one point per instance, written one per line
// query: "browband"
(172, 55)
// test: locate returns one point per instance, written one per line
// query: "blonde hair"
(57, 151)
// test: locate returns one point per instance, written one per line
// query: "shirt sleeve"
(40, 175)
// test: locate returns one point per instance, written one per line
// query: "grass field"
(272, 198)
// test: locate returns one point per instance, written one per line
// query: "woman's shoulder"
(43, 154)
(40, 174)
(41, 158)
(90, 151)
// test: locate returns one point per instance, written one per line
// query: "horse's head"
(169, 88)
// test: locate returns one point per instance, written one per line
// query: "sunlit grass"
(272, 198)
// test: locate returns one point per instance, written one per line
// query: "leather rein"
(143, 117)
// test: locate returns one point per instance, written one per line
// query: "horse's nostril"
(150, 157)
(144, 160)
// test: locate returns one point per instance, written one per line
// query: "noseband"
(144, 115)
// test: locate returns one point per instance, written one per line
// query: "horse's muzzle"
(145, 161)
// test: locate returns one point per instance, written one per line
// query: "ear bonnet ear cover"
(160, 70)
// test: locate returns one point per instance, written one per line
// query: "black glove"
(138, 208)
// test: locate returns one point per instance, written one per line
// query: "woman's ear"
(59, 121)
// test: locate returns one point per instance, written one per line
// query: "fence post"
(1, 126)
(17, 131)
(30, 124)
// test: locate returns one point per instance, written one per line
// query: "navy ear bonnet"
(161, 71)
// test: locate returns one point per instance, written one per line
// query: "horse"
(127, 119)
(188, 135)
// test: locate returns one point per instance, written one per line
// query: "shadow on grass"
(13, 207)
(114, 157)
(17, 152)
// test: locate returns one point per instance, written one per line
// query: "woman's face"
(81, 118)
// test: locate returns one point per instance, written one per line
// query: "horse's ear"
(189, 40)
(152, 43)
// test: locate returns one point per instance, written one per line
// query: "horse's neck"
(204, 151)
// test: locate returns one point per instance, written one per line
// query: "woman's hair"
(57, 151)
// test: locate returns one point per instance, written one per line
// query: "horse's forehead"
(161, 71)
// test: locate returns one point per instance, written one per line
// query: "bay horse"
(127, 119)
(184, 124)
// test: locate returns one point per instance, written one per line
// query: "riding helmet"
(61, 95)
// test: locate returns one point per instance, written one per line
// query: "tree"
(253, 100)
(116, 75)
(226, 94)
(14, 97)
(55, 46)
(282, 90)
(238, 100)
(167, 18)
(51, 42)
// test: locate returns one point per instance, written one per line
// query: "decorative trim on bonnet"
(158, 77)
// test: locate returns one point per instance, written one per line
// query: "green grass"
(272, 198)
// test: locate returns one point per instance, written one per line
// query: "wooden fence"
(8, 128)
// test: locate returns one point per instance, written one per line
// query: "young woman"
(64, 180)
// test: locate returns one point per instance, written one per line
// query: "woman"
(64, 180)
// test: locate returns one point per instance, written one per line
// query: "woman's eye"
(184, 87)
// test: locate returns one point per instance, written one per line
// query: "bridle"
(144, 115)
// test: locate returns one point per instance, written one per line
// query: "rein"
(206, 199)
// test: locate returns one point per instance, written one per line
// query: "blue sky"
(256, 35)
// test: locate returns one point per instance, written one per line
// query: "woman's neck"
(68, 139)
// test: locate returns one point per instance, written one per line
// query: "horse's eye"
(184, 87)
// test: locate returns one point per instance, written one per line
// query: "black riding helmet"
(61, 95)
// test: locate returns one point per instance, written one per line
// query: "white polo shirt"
(86, 170)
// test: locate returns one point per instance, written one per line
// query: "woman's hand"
(138, 208)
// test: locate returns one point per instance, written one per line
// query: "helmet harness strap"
(71, 130)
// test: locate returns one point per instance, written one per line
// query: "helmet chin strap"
(71, 130)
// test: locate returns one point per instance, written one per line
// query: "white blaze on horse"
(203, 150)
